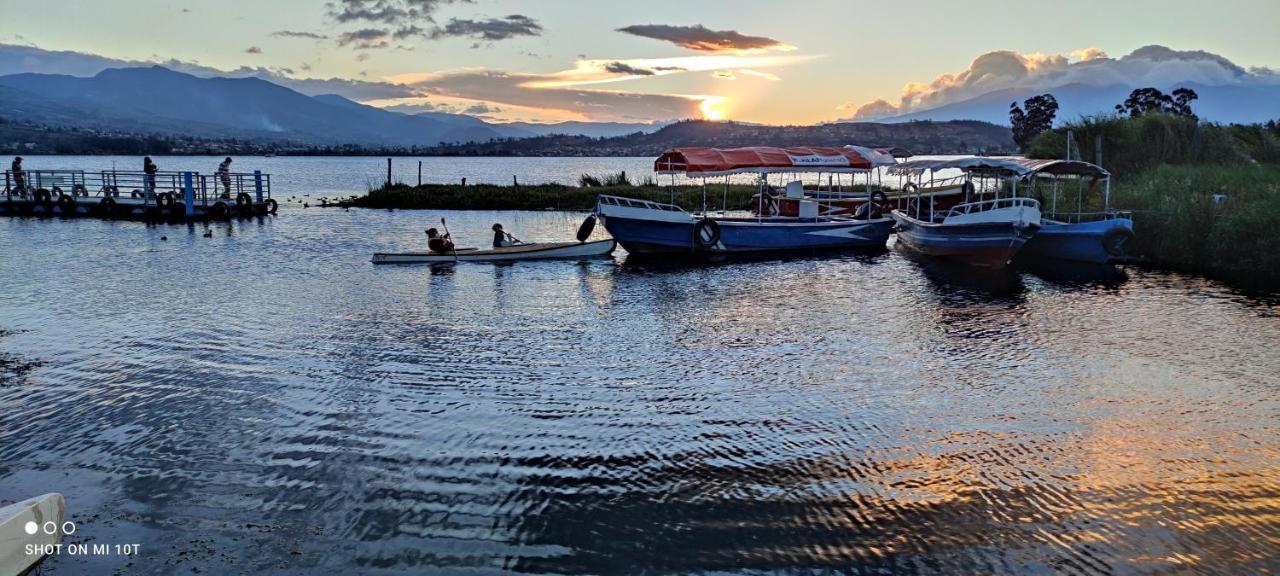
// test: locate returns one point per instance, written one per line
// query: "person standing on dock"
(19, 177)
(149, 170)
(224, 174)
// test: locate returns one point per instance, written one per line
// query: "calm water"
(265, 400)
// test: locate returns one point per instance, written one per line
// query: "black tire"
(42, 196)
(706, 233)
(79, 190)
(272, 206)
(57, 191)
(1115, 242)
(588, 226)
(67, 204)
(218, 210)
(164, 200)
(107, 205)
(243, 200)
(137, 194)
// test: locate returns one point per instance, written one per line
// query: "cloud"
(624, 68)
(481, 109)
(297, 34)
(759, 74)
(253, 50)
(491, 30)
(385, 11)
(522, 89)
(702, 39)
(365, 38)
(1156, 66)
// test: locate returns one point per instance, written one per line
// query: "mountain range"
(158, 100)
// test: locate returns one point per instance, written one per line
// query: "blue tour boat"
(984, 228)
(647, 227)
(1079, 232)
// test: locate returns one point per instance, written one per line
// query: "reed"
(1211, 219)
(1132, 145)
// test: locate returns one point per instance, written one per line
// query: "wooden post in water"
(388, 172)
(514, 182)
(419, 173)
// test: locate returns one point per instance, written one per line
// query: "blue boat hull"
(988, 245)
(642, 236)
(1097, 242)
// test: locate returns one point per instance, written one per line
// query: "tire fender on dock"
(272, 206)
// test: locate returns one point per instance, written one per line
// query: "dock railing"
(57, 182)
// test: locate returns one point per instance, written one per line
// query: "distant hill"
(161, 101)
(926, 137)
(169, 102)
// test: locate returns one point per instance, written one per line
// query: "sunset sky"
(769, 62)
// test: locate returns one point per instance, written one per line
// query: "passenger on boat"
(501, 239)
(224, 174)
(19, 177)
(437, 243)
(149, 168)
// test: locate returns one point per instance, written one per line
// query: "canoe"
(36, 521)
(535, 251)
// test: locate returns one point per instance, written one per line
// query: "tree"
(1037, 118)
(1144, 100)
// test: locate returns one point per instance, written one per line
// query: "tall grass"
(1180, 225)
(1168, 170)
(1131, 145)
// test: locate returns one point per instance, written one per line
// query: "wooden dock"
(164, 196)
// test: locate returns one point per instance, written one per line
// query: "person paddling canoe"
(501, 239)
(437, 243)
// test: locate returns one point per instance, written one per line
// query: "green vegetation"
(1168, 169)
(1180, 225)
(547, 196)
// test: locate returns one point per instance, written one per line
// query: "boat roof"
(878, 156)
(1004, 166)
(699, 161)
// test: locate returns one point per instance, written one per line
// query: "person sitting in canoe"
(501, 239)
(437, 243)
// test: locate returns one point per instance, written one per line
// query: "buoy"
(162, 238)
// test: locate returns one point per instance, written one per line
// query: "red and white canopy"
(759, 159)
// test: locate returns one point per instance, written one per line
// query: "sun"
(712, 107)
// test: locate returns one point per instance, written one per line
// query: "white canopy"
(875, 156)
(1007, 166)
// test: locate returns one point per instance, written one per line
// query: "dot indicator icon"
(32, 527)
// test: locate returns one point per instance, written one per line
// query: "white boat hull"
(540, 251)
(46, 514)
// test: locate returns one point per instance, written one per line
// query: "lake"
(340, 176)
(265, 400)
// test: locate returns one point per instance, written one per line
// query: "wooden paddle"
(452, 246)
